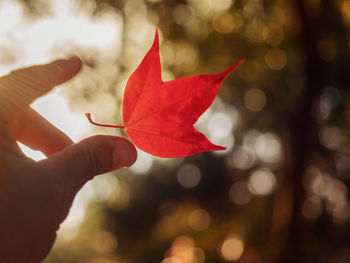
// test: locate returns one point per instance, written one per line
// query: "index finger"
(21, 87)
(34, 131)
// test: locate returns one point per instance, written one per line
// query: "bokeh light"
(331, 137)
(255, 99)
(276, 58)
(183, 15)
(262, 182)
(273, 34)
(189, 175)
(183, 250)
(239, 193)
(268, 147)
(325, 187)
(199, 219)
(232, 248)
(242, 158)
(224, 23)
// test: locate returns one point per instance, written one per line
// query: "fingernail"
(124, 155)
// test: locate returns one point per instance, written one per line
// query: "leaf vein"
(162, 109)
(160, 135)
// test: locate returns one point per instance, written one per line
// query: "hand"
(35, 197)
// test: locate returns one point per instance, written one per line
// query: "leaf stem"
(88, 116)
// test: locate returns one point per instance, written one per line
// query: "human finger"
(95, 155)
(34, 131)
(21, 87)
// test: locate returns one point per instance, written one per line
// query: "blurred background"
(279, 193)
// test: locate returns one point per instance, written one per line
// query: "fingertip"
(72, 64)
(92, 156)
(133, 154)
(124, 153)
(75, 61)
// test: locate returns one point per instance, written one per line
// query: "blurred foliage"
(280, 193)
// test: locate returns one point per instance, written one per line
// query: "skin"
(35, 197)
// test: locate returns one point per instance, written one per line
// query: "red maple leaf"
(159, 116)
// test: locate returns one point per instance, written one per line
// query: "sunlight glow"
(54, 107)
(65, 31)
(10, 15)
(35, 155)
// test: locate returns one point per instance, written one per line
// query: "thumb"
(77, 164)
